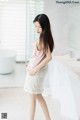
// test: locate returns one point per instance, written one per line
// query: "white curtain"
(59, 84)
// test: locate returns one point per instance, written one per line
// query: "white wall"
(59, 15)
(59, 25)
(74, 31)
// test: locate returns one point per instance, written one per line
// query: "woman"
(37, 66)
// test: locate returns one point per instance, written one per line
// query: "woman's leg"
(32, 106)
(44, 106)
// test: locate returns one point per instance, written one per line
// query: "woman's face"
(38, 27)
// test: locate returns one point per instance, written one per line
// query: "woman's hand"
(32, 71)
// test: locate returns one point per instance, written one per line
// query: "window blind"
(16, 26)
(13, 27)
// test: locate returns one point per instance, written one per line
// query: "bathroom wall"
(58, 18)
(61, 16)
(74, 31)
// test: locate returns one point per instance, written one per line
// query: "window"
(16, 25)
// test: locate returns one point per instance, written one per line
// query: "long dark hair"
(46, 36)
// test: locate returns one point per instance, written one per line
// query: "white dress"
(34, 84)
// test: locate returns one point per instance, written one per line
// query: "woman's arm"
(45, 60)
(42, 63)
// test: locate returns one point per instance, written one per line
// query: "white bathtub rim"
(11, 53)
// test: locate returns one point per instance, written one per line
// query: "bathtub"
(7, 61)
